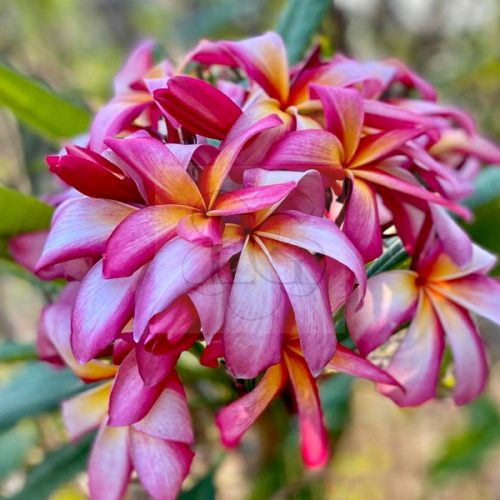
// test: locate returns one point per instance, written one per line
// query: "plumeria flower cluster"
(233, 203)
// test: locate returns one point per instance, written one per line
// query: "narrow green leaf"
(487, 187)
(204, 489)
(39, 107)
(15, 443)
(298, 23)
(59, 467)
(22, 213)
(14, 351)
(33, 389)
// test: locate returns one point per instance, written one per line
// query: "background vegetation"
(380, 451)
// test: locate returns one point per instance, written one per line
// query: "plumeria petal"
(200, 229)
(116, 116)
(389, 302)
(307, 149)
(304, 197)
(86, 411)
(475, 292)
(417, 361)
(80, 228)
(93, 175)
(375, 146)
(346, 361)
(361, 223)
(103, 307)
(251, 199)
(130, 399)
(108, 460)
(213, 176)
(157, 171)
(210, 300)
(198, 106)
(161, 465)
(176, 269)
(137, 239)
(442, 268)
(136, 66)
(469, 356)
(313, 435)
(305, 283)
(262, 57)
(255, 315)
(316, 235)
(235, 419)
(343, 114)
(455, 240)
(169, 417)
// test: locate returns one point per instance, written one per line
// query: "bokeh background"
(380, 451)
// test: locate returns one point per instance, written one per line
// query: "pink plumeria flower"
(136, 421)
(435, 299)
(234, 420)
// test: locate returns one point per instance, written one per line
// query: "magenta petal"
(235, 419)
(304, 280)
(137, 239)
(175, 320)
(137, 64)
(157, 172)
(169, 417)
(130, 399)
(362, 224)
(456, 242)
(344, 115)
(346, 361)
(155, 367)
(253, 327)
(117, 115)
(393, 179)
(213, 176)
(313, 435)
(103, 307)
(478, 293)
(469, 356)
(389, 302)
(317, 235)
(307, 149)
(210, 300)
(304, 198)
(198, 106)
(109, 464)
(340, 284)
(417, 361)
(80, 228)
(177, 268)
(161, 465)
(251, 199)
(200, 229)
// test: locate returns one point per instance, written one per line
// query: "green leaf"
(15, 443)
(22, 213)
(485, 202)
(35, 388)
(204, 489)
(39, 107)
(14, 351)
(298, 23)
(487, 187)
(59, 467)
(467, 450)
(335, 394)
